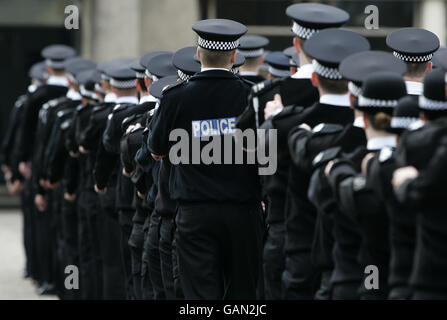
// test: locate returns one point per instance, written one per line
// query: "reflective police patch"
(213, 127)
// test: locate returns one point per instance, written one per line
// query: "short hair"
(215, 58)
(302, 42)
(333, 86)
(416, 69)
(432, 115)
(142, 84)
(379, 120)
(253, 62)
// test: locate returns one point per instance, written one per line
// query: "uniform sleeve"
(161, 126)
(104, 165)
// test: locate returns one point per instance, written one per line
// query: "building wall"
(116, 28)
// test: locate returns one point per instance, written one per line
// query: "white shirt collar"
(58, 81)
(359, 123)
(414, 88)
(148, 98)
(127, 99)
(304, 72)
(73, 95)
(208, 69)
(110, 97)
(247, 73)
(341, 100)
(381, 142)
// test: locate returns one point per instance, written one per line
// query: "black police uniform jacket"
(424, 149)
(207, 96)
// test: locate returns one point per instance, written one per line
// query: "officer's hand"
(100, 191)
(73, 154)
(15, 187)
(6, 169)
(83, 150)
(305, 126)
(273, 107)
(127, 174)
(157, 157)
(140, 195)
(52, 185)
(25, 169)
(42, 183)
(41, 202)
(70, 197)
(328, 168)
(365, 161)
(403, 174)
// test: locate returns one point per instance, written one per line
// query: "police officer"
(419, 148)
(252, 48)
(414, 46)
(300, 278)
(219, 205)
(278, 65)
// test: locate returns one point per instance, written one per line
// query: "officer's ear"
(50, 70)
(147, 82)
(423, 116)
(296, 44)
(365, 120)
(233, 56)
(261, 60)
(198, 53)
(314, 79)
(429, 67)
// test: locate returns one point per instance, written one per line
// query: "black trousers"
(346, 291)
(147, 291)
(90, 262)
(152, 255)
(29, 230)
(169, 260)
(70, 251)
(274, 259)
(219, 250)
(110, 239)
(125, 221)
(136, 242)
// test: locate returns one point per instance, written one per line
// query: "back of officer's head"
(216, 59)
(433, 102)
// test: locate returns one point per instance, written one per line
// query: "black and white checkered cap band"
(414, 59)
(151, 76)
(87, 93)
(302, 32)
(251, 53)
(183, 75)
(354, 89)
(99, 88)
(105, 77)
(429, 104)
(123, 84)
(278, 72)
(140, 75)
(403, 122)
(55, 63)
(326, 72)
(218, 45)
(379, 103)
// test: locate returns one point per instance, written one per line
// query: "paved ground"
(12, 284)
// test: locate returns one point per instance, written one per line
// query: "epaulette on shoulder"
(97, 108)
(326, 156)
(358, 183)
(66, 124)
(53, 102)
(264, 86)
(385, 154)
(79, 107)
(327, 128)
(176, 85)
(128, 120)
(20, 101)
(416, 125)
(63, 113)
